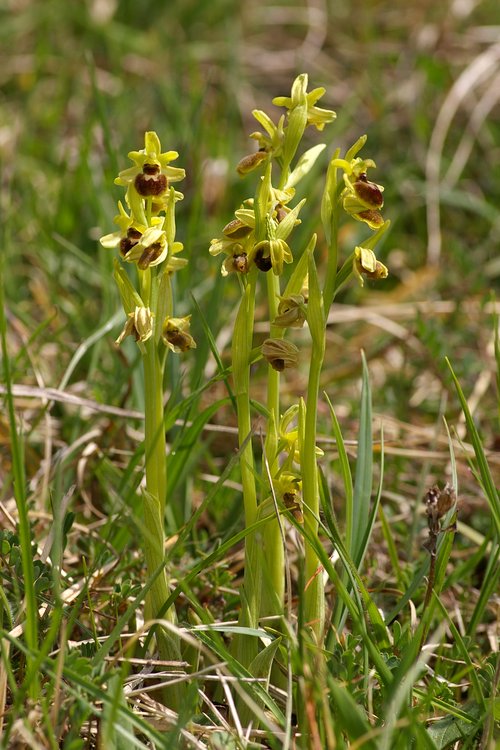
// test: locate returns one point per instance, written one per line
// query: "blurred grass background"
(81, 82)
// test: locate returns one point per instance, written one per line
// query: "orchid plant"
(258, 246)
(145, 239)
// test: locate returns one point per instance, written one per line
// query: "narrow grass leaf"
(213, 348)
(17, 453)
(464, 653)
(185, 443)
(348, 714)
(487, 480)
(255, 690)
(345, 472)
(364, 469)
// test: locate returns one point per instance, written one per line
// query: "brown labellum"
(149, 255)
(263, 262)
(369, 193)
(152, 182)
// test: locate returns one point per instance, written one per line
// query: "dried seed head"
(280, 354)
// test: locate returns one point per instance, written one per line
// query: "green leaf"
(451, 729)
(305, 164)
(487, 480)
(364, 470)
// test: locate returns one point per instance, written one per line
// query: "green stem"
(154, 509)
(245, 648)
(314, 599)
(273, 582)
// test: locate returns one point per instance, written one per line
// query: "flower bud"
(251, 162)
(236, 230)
(139, 324)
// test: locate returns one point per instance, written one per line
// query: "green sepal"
(329, 200)
(261, 203)
(296, 280)
(285, 227)
(128, 295)
(315, 309)
(164, 307)
(355, 148)
(297, 119)
(169, 225)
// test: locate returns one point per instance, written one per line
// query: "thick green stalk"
(314, 598)
(156, 489)
(245, 648)
(273, 582)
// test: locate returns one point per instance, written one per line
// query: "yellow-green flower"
(271, 141)
(361, 198)
(173, 263)
(237, 243)
(129, 230)
(151, 173)
(139, 324)
(288, 487)
(274, 251)
(289, 435)
(150, 249)
(272, 254)
(137, 242)
(366, 264)
(176, 336)
(315, 115)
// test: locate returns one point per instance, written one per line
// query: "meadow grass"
(81, 84)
